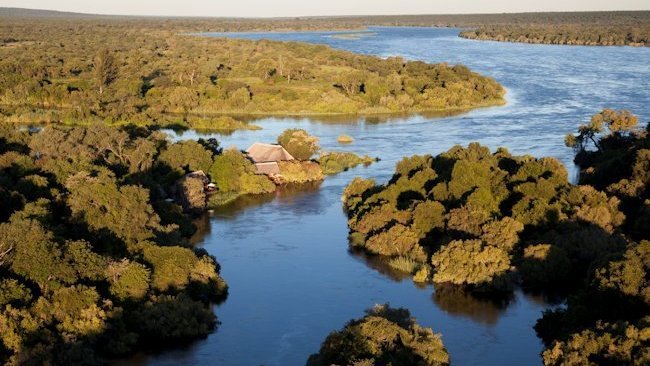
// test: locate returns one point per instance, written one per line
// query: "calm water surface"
(285, 256)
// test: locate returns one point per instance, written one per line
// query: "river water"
(285, 256)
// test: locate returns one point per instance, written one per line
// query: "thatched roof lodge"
(266, 157)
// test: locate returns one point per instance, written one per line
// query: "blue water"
(292, 279)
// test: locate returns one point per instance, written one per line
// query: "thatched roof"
(264, 153)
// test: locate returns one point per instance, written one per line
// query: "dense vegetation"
(94, 262)
(606, 320)
(123, 71)
(385, 336)
(485, 221)
(578, 28)
(565, 34)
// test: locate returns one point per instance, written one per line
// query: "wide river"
(292, 279)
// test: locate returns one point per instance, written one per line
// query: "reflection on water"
(291, 195)
(285, 256)
(380, 264)
(479, 308)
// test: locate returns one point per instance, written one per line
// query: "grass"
(404, 264)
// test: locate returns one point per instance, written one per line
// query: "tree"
(299, 143)
(606, 124)
(186, 156)
(102, 204)
(105, 69)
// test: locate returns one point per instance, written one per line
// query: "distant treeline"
(578, 28)
(566, 34)
(148, 71)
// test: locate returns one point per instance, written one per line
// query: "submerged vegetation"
(487, 221)
(385, 336)
(94, 262)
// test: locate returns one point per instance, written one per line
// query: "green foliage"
(221, 123)
(299, 143)
(300, 171)
(170, 319)
(35, 254)
(427, 216)
(354, 191)
(129, 280)
(235, 175)
(478, 216)
(469, 262)
(628, 276)
(186, 156)
(398, 240)
(102, 204)
(588, 29)
(110, 72)
(13, 292)
(620, 343)
(606, 124)
(385, 336)
(75, 237)
(336, 161)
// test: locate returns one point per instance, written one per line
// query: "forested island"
(119, 71)
(487, 221)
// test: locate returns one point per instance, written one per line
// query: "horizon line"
(313, 16)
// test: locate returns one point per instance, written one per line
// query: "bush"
(300, 171)
(469, 262)
(336, 162)
(385, 336)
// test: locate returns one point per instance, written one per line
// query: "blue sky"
(280, 8)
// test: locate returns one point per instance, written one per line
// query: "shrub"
(384, 336)
(300, 171)
(336, 162)
(469, 262)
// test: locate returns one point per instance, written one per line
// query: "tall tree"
(105, 69)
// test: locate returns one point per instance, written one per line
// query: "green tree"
(105, 69)
(299, 143)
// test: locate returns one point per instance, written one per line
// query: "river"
(285, 256)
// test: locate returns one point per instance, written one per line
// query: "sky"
(291, 8)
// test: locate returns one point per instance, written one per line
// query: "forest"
(577, 28)
(95, 261)
(121, 71)
(488, 221)
(99, 206)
